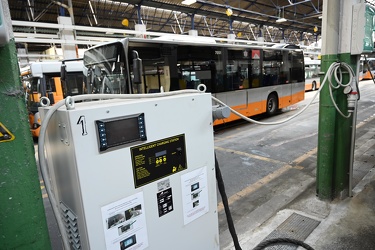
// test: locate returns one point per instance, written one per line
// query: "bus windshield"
(105, 69)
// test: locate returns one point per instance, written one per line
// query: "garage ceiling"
(250, 19)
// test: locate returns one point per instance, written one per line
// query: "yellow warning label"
(5, 135)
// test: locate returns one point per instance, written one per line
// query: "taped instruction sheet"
(124, 223)
(194, 194)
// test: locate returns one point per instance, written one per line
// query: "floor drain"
(296, 227)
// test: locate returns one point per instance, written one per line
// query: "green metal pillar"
(326, 136)
(343, 136)
(22, 218)
(334, 132)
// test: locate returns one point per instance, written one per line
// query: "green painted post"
(334, 136)
(343, 135)
(326, 136)
(22, 218)
(335, 131)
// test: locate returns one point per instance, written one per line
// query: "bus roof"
(203, 41)
(309, 61)
(184, 38)
(39, 68)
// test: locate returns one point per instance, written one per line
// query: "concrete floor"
(290, 188)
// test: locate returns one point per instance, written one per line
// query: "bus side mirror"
(63, 71)
(137, 68)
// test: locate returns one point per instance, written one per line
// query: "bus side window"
(254, 79)
(296, 70)
(272, 61)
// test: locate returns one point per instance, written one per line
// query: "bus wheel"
(313, 87)
(272, 104)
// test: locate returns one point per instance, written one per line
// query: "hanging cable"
(232, 230)
(221, 187)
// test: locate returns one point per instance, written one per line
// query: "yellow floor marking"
(258, 157)
(305, 156)
(45, 196)
(250, 189)
(228, 137)
(365, 121)
(262, 181)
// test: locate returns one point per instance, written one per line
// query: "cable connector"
(220, 112)
(352, 95)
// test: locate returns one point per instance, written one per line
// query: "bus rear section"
(312, 78)
(272, 80)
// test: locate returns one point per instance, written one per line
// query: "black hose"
(232, 230)
(221, 187)
(285, 241)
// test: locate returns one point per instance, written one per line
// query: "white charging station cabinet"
(135, 173)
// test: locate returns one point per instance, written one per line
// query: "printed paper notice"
(194, 194)
(124, 223)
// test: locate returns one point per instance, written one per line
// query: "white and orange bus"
(250, 79)
(312, 78)
(368, 69)
(44, 81)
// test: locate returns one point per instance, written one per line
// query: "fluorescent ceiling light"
(280, 20)
(92, 10)
(188, 2)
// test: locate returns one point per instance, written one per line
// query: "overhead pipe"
(139, 14)
(231, 26)
(192, 21)
(61, 9)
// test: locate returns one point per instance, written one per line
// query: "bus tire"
(272, 104)
(313, 87)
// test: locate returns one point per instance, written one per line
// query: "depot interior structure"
(121, 168)
(37, 24)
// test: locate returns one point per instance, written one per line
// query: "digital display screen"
(129, 242)
(161, 153)
(122, 131)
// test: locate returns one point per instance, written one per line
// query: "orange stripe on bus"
(257, 108)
